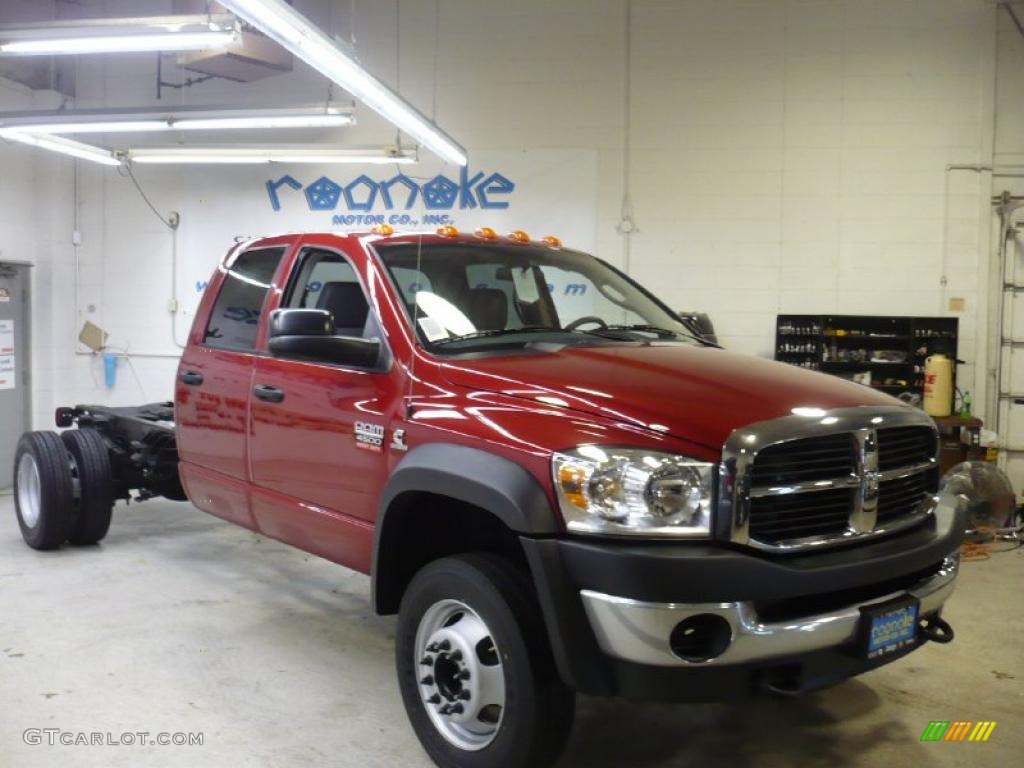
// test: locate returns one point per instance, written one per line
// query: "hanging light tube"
(64, 146)
(260, 155)
(156, 33)
(140, 121)
(268, 121)
(297, 34)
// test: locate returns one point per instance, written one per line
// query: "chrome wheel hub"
(462, 682)
(28, 490)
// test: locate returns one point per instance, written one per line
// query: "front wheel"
(475, 669)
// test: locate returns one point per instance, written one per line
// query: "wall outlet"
(957, 304)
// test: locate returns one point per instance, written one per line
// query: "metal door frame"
(25, 268)
(1007, 207)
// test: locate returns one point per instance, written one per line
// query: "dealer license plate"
(888, 628)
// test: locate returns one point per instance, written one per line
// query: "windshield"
(468, 296)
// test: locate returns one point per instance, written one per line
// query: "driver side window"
(327, 281)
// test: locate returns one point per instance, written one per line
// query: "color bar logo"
(958, 730)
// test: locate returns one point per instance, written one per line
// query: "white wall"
(786, 155)
(16, 229)
(18, 239)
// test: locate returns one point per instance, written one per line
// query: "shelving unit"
(886, 353)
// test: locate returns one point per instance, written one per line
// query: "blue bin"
(110, 368)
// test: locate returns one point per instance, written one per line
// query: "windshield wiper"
(618, 329)
(663, 333)
(498, 332)
(608, 332)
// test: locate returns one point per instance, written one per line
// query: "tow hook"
(935, 629)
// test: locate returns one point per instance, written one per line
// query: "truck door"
(318, 430)
(212, 390)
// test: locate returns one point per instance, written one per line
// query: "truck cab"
(553, 479)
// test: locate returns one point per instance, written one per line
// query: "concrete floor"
(179, 622)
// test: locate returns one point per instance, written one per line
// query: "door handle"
(192, 378)
(268, 393)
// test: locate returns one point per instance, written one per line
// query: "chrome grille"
(801, 461)
(905, 446)
(902, 497)
(774, 519)
(851, 473)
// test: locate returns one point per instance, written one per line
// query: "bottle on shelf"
(938, 385)
(965, 405)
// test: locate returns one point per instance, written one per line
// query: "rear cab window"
(235, 318)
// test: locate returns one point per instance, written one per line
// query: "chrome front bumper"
(639, 632)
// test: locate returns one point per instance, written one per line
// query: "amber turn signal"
(571, 478)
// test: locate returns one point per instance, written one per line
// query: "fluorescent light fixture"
(184, 119)
(296, 33)
(260, 155)
(156, 33)
(123, 126)
(64, 146)
(269, 121)
(118, 44)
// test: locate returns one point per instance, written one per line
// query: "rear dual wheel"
(43, 490)
(62, 488)
(90, 461)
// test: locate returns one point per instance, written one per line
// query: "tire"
(43, 494)
(465, 601)
(89, 451)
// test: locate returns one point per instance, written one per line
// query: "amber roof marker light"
(448, 231)
(519, 236)
(486, 233)
(552, 241)
(383, 229)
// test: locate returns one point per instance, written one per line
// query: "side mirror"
(701, 323)
(301, 322)
(308, 334)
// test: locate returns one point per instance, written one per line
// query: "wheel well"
(422, 527)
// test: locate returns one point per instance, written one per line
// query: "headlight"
(632, 491)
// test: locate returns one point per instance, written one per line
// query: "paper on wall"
(6, 337)
(8, 377)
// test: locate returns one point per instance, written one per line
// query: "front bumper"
(637, 631)
(610, 608)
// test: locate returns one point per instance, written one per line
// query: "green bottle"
(965, 407)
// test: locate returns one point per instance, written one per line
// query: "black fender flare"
(470, 475)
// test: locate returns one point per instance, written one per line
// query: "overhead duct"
(255, 58)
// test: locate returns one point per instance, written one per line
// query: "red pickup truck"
(555, 482)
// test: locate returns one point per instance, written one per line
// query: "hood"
(698, 394)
